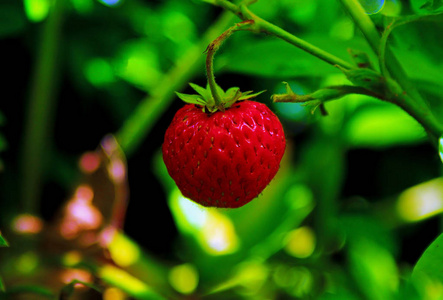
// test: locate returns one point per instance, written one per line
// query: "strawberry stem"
(210, 52)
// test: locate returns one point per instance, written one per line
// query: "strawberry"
(223, 156)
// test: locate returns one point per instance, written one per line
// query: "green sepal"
(191, 99)
(247, 95)
(204, 92)
(204, 97)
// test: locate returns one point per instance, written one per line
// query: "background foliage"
(355, 205)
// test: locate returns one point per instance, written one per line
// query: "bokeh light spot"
(27, 262)
(72, 258)
(300, 242)
(252, 275)
(69, 275)
(392, 8)
(113, 293)
(89, 162)
(372, 6)
(213, 230)
(99, 72)
(110, 2)
(117, 170)
(36, 10)
(123, 251)
(184, 278)
(27, 224)
(421, 201)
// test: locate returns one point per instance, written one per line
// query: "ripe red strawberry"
(225, 158)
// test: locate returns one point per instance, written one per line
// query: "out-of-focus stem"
(39, 113)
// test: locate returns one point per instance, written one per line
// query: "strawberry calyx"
(205, 98)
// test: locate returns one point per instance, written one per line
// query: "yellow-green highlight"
(123, 251)
(300, 242)
(440, 148)
(421, 201)
(126, 282)
(36, 10)
(213, 230)
(184, 278)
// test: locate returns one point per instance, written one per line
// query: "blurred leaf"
(2, 285)
(382, 125)
(430, 264)
(127, 283)
(3, 242)
(374, 269)
(427, 6)
(354, 226)
(417, 44)
(277, 59)
(13, 291)
(12, 20)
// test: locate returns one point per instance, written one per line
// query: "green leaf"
(279, 60)
(427, 6)
(192, 99)
(430, 264)
(3, 242)
(382, 125)
(374, 269)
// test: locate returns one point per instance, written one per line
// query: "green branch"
(212, 48)
(404, 92)
(263, 26)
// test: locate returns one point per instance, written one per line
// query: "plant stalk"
(212, 48)
(411, 100)
(141, 121)
(39, 114)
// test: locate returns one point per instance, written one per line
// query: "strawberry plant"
(135, 166)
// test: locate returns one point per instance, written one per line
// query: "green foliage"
(358, 194)
(430, 264)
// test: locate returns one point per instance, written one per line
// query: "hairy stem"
(264, 26)
(138, 125)
(212, 48)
